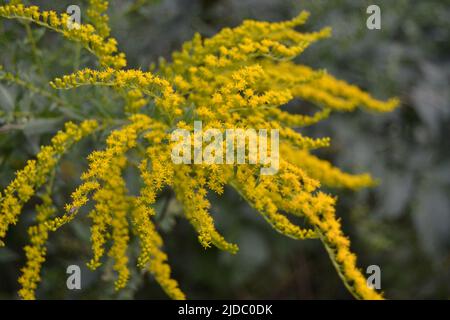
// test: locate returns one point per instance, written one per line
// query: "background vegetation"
(403, 225)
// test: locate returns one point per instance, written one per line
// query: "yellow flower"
(104, 48)
(36, 172)
(36, 251)
(98, 18)
(237, 79)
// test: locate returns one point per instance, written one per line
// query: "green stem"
(76, 62)
(332, 255)
(34, 48)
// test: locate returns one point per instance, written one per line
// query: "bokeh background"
(403, 225)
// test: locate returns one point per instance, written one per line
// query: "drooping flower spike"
(238, 78)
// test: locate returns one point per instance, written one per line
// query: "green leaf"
(40, 126)
(6, 99)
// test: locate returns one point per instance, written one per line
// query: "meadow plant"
(237, 79)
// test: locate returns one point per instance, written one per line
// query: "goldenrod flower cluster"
(36, 250)
(99, 19)
(104, 48)
(35, 175)
(238, 78)
(36, 172)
